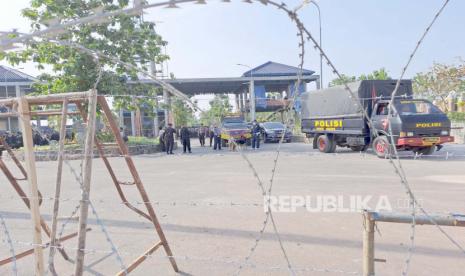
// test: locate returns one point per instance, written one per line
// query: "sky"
(359, 36)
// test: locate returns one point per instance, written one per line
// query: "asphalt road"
(211, 209)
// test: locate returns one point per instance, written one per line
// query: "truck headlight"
(409, 133)
(444, 132)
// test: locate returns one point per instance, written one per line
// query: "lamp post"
(251, 92)
(319, 22)
(321, 56)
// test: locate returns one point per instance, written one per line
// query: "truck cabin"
(406, 108)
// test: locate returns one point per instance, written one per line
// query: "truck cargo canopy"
(337, 101)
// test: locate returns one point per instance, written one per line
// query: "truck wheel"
(325, 144)
(425, 150)
(381, 146)
(359, 148)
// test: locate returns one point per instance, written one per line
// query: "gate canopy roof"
(274, 76)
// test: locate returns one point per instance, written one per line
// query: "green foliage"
(380, 74)
(106, 136)
(219, 108)
(183, 114)
(456, 116)
(343, 79)
(136, 140)
(438, 82)
(126, 37)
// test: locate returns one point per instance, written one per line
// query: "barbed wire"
(10, 244)
(400, 168)
(205, 259)
(399, 171)
(397, 167)
(114, 249)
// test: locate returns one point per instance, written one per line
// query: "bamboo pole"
(140, 259)
(368, 245)
(370, 218)
(30, 251)
(48, 99)
(37, 113)
(29, 158)
(101, 151)
(56, 203)
(444, 220)
(13, 157)
(140, 186)
(87, 167)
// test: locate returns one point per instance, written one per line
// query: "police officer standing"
(202, 133)
(217, 138)
(255, 135)
(211, 134)
(186, 139)
(168, 137)
(161, 136)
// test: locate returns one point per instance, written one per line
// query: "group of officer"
(167, 137)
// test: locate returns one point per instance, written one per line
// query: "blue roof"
(11, 75)
(274, 69)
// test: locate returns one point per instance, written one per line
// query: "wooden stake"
(13, 157)
(87, 167)
(30, 251)
(29, 158)
(132, 168)
(101, 151)
(368, 245)
(140, 259)
(56, 203)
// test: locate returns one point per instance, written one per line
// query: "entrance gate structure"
(21, 107)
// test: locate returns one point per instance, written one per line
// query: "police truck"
(335, 118)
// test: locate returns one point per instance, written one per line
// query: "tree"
(219, 107)
(440, 81)
(343, 79)
(183, 114)
(125, 37)
(380, 74)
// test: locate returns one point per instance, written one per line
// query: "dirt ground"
(211, 210)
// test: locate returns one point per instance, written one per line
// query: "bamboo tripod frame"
(22, 105)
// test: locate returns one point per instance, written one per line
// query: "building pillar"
(155, 118)
(121, 117)
(18, 94)
(238, 107)
(168, 112)
(252, 100)
(246, 103)
(133, 123)
(241, 102)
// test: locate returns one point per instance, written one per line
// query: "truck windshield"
(235, 126)
(416, 107)
(273, 125)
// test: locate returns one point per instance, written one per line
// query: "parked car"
(273, 131)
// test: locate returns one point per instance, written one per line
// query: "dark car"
(273, 131)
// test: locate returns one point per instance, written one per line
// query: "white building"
(13, 84)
